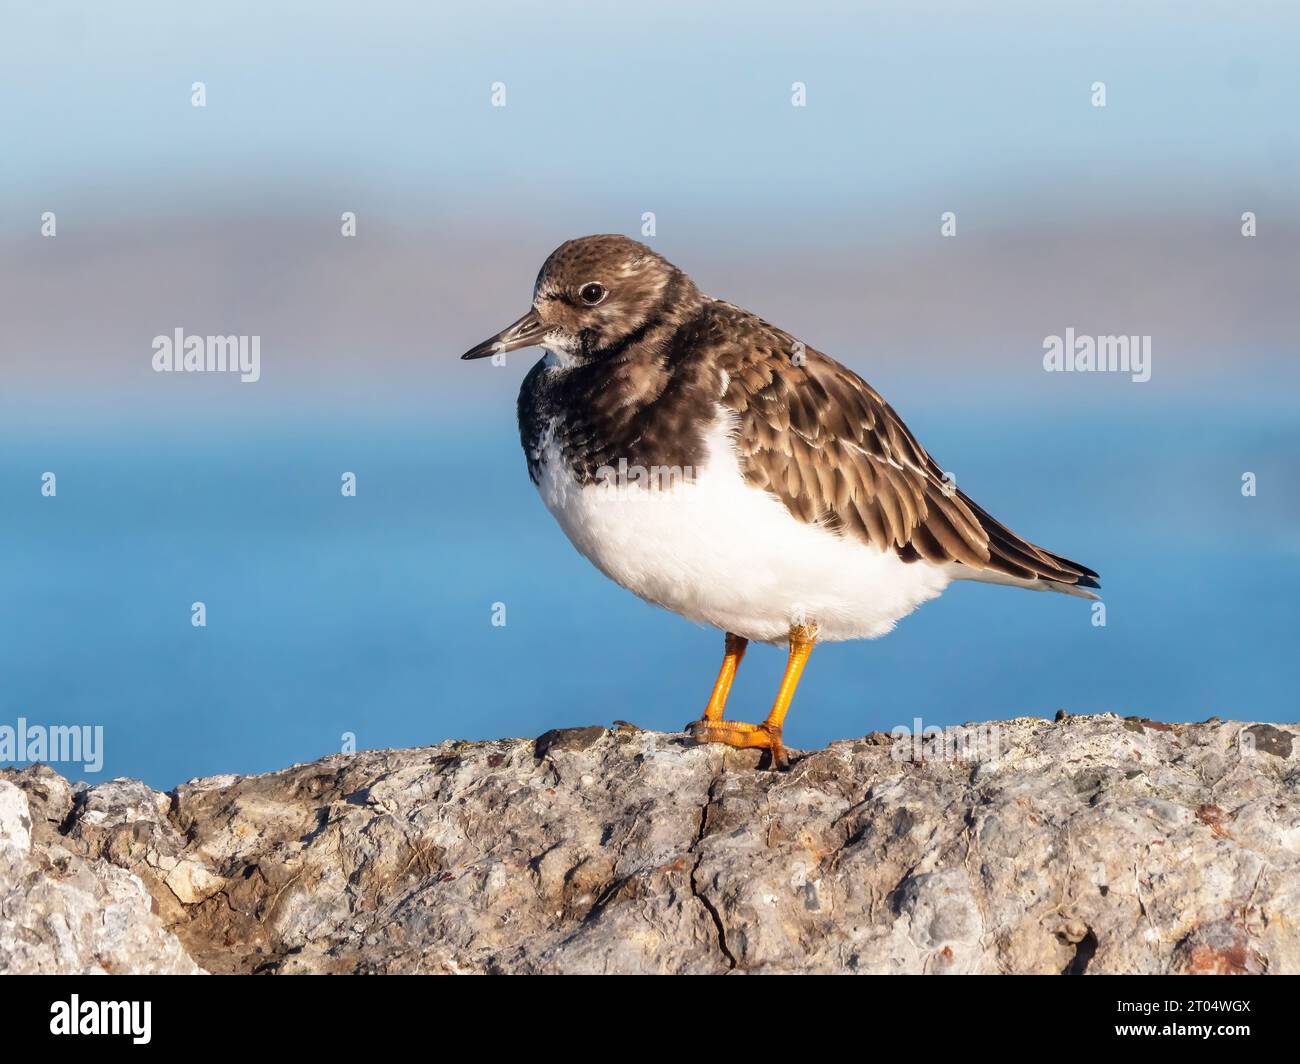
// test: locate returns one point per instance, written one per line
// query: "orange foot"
(743, 736)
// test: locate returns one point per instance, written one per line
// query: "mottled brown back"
(821, 440)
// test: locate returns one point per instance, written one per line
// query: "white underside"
(720, 552)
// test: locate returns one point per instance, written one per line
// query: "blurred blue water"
(372, 615)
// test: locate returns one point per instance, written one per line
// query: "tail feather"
(1017, 562)
(992, 576)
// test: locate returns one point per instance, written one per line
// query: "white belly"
(719, 552)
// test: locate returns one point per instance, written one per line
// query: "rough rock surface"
(63, 913)
(1092, 844)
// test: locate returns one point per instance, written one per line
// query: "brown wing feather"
(821, 439)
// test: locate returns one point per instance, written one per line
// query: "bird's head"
(595, 297)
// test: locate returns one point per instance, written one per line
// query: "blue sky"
(682, 105)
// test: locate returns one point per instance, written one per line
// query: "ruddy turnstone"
(714, 465)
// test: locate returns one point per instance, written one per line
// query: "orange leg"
(765, 736)
(735, 654)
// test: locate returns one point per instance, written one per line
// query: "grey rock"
(61, 912)
(1088, 845)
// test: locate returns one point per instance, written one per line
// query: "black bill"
(528, 331)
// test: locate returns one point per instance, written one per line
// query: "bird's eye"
(592, 293)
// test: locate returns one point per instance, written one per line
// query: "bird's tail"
(1017, 562)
